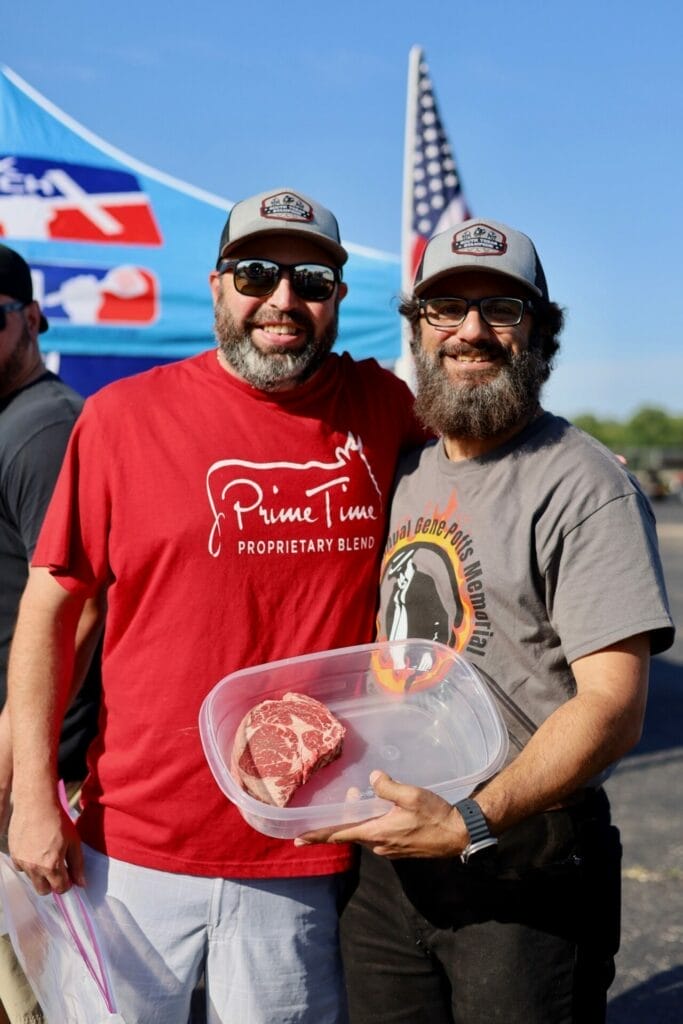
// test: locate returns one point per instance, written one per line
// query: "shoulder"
(141, 388)
(368, 384)
(39, 411)
(371, 372)
(565, 461)
(422, 459)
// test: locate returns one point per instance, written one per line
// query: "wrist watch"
(477, 827)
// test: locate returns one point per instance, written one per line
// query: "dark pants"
(528, 937)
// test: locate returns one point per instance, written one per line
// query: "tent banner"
(120, 252)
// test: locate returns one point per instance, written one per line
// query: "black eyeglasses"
(9, 307)
(313, 282)
(495, 310)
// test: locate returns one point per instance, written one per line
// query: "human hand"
(420, 824)
(45, 845)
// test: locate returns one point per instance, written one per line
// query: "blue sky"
(566, 121)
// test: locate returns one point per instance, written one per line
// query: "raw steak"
(280, 743)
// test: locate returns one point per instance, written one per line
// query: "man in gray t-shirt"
(37, 412)
(541, 556)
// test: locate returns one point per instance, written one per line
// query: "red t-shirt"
(232, 527)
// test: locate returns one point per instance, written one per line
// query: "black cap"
(15, 279)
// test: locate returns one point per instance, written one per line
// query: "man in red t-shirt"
(232, 508)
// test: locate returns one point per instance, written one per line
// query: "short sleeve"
(31, 480)
(74, 535)
(606, 581)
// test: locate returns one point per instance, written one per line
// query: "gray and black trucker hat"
(482, 245)
(282, 212)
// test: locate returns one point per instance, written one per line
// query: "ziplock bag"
(56, 942)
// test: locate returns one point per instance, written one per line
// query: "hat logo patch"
(479, 240)
(287, 206)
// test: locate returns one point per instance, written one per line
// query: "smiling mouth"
(278, 329)
(462, 358)
(473, 354)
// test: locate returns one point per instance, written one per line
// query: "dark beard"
(477, 411)
(270, 370)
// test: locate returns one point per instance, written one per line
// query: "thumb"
(385, 786)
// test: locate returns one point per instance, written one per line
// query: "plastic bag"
(57, 945)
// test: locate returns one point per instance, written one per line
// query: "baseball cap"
(15, 279)
(282, 212)
(477, 244)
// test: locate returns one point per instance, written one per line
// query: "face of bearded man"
(484, 406)
(271, 370)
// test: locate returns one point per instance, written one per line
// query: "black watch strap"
(477, 827)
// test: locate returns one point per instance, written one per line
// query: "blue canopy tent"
(120, 252)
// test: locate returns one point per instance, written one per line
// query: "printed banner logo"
(48, 199)
(85, 294)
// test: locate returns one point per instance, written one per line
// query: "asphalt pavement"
(647, 805)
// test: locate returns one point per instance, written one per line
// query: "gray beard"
(484, 410)
(268, 371)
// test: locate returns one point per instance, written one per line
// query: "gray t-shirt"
(35, 424)
(523, 560)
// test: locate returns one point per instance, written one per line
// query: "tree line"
(648, 427)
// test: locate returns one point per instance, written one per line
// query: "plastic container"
(413, 708)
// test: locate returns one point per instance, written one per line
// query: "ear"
(342, 290)
(32, 318)
(215, 285)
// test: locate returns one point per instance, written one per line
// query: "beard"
(269, 371)
(484, 409)
(14, 366)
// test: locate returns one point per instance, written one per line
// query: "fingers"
(327, 835)
(50, 858)
(46, 880)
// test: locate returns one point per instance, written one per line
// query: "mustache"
(276, 316)
(490, 349)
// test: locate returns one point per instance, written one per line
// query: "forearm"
(582, 737)
(88, 633)
(576, 743)
(39, 680)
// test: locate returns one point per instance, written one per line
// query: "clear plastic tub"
(413, 708)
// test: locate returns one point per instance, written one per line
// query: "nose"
(284, 297)
(474, 327)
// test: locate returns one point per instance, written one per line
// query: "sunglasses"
(313, 282)
(9, 307)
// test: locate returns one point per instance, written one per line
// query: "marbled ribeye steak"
(280, 743)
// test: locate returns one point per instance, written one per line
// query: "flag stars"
(436, 188)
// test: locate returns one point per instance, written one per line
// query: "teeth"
(279, 329)
(472, 359)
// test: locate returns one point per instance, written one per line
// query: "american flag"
(434, 199)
